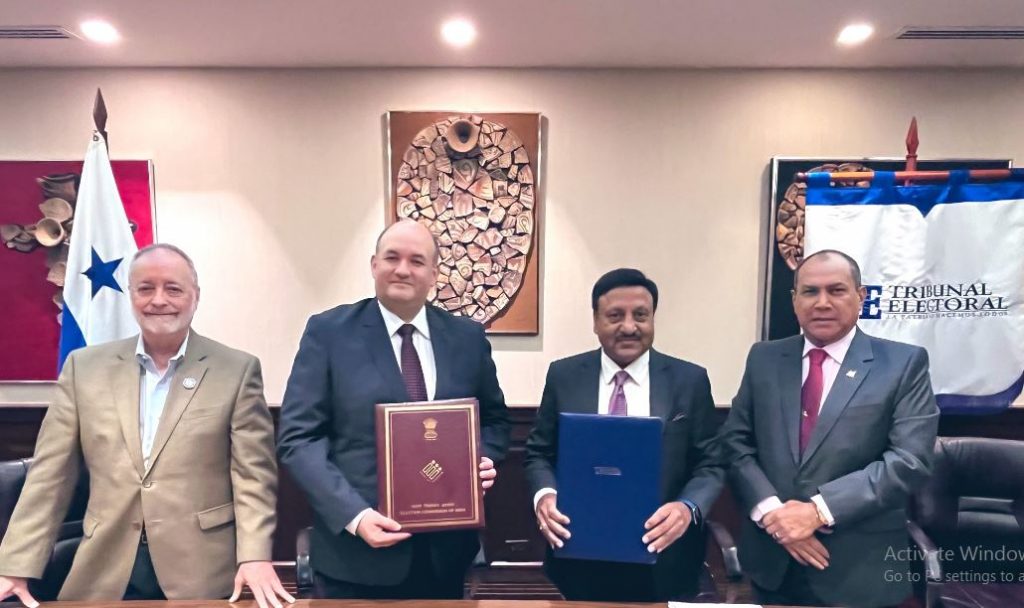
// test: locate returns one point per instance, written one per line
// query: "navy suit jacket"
(344, 367)
(681, 396)
(871, 448)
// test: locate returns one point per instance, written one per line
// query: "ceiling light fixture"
(99, 31)
(458, 32)
(854, 34)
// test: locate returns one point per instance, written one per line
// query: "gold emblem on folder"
(429, 429)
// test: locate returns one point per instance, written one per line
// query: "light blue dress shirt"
(153, 389)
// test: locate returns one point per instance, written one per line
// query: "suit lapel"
(378, 344)
(661, 386)
(440, 343)
(790, 372)
(856, 366)
(125, 382)
(585, 393)
(193, 366)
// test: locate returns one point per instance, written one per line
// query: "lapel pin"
(850, 374)
(189, 383)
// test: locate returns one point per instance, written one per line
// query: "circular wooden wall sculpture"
(469, 180)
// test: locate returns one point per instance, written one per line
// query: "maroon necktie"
(810, 396)
(412, 372)
(617, 404)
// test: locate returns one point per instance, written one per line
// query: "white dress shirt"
(420, 340)
(424, 350)
(829, 370)
(153, 393)
(637, 389)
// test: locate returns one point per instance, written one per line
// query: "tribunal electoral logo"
(933, 301)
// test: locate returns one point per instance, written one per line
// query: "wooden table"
(364, 604)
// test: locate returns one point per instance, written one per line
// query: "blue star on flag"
(101, 273)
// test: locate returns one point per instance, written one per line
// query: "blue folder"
(608, 474)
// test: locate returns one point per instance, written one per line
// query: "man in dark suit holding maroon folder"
(389, 349)
(626, 377)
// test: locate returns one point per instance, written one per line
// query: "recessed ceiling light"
(458, 32)
(100, 31)
(855, 33)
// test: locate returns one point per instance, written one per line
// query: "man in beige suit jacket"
(181, 495)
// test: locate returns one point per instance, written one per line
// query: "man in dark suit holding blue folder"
(627, 377)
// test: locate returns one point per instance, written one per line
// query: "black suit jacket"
(871, 448)
(345, 366)
(680, 395)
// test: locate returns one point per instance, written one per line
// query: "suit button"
(148, 484)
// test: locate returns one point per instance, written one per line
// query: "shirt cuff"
(541, 493)
(765, 507)
(694, 512)
(354, 524)
(819, 502)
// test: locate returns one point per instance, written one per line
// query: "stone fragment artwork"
(469, 180)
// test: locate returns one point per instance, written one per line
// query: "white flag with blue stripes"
(943, 265)
(97, 307)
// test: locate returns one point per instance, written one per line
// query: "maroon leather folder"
(428, 456)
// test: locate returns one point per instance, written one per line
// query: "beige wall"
(274, 181)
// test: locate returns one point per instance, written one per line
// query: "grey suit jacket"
(871, 448)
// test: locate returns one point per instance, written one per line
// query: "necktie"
(810, 396)
(617, 404)
(412, 372)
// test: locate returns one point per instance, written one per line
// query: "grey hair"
(173, 249)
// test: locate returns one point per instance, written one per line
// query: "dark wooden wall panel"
(511, 534)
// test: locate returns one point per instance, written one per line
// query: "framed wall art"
(474, 180)
(37, 203)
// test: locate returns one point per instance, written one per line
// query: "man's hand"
(15, 585)
(668, 523)
(551, 521)
(793, 521)
(379, 531)
(487, 473)
(808, 552)
(263, 581)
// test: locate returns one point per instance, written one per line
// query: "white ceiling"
(523, 33)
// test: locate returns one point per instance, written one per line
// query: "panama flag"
(96, 304)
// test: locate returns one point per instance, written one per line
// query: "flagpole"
(911, 174)
(99, 117)
(917, 176)
(912, 144)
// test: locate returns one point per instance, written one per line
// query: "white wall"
(274, 182)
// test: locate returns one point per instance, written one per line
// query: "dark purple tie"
(617, 404)
(810, 396)
(412, 372)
